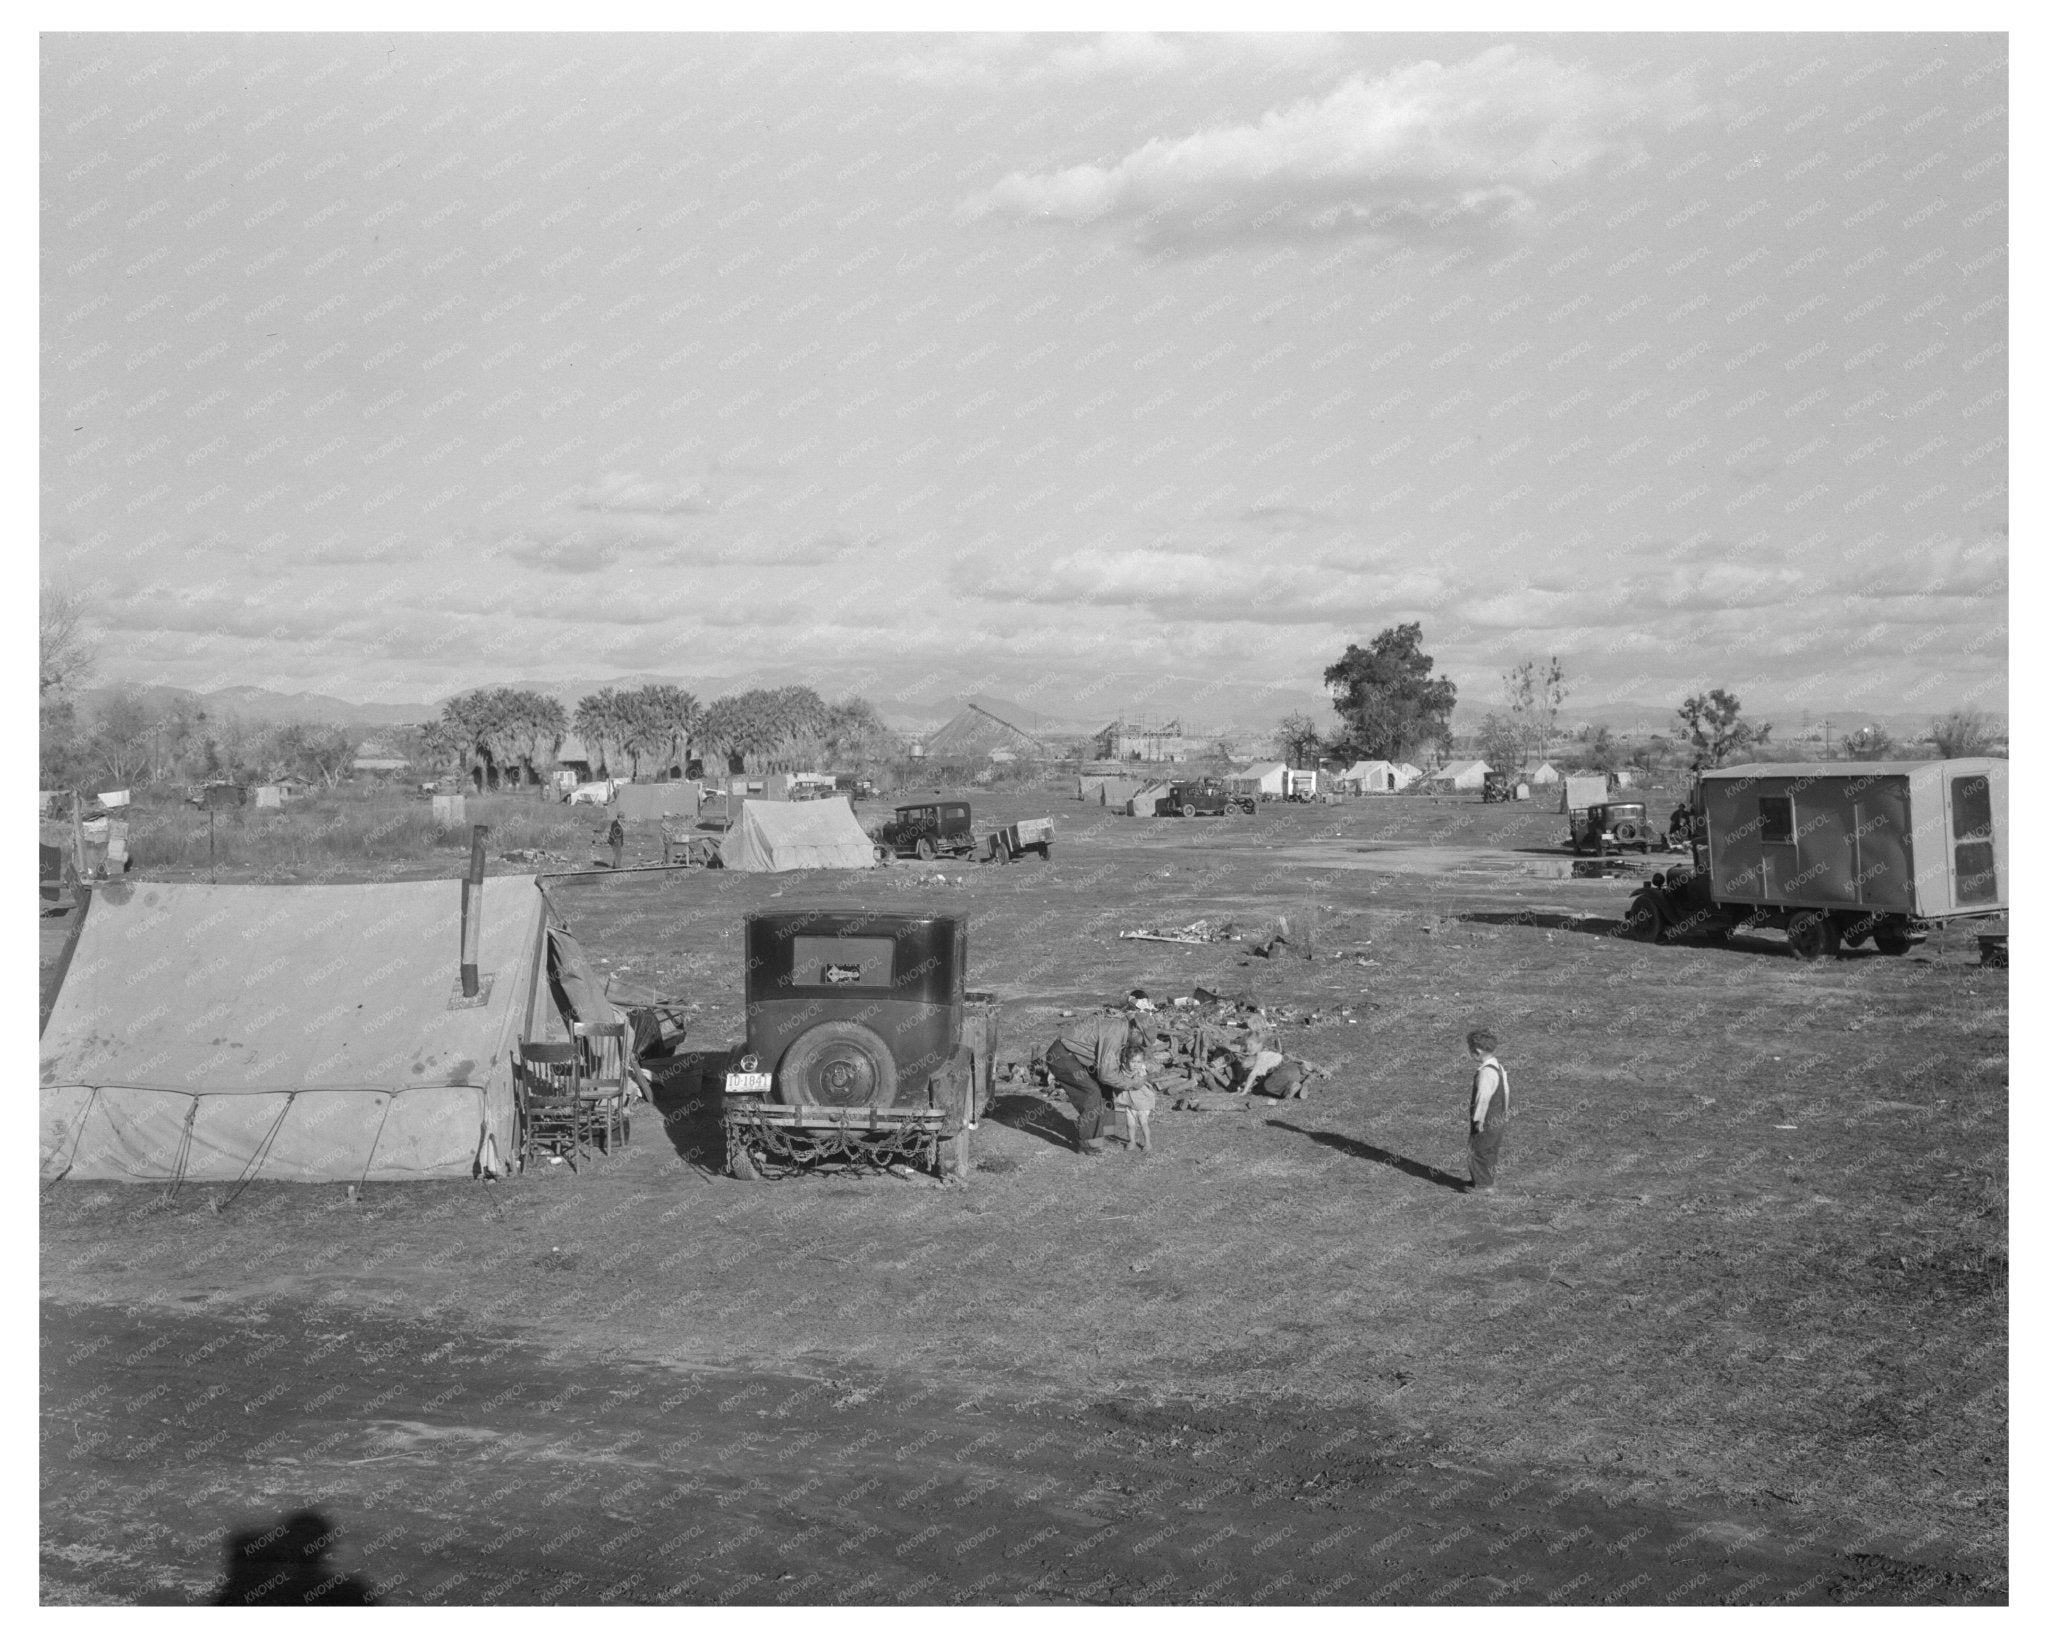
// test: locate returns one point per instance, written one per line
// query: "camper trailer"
(1838, 853)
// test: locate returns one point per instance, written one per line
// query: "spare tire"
(841, 1063)
(1629, 832)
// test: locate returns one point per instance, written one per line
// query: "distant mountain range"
(1061, 710)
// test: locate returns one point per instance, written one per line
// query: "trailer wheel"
(1187, 810)
(1813, 935)
(1001, 851)
(1893, 940)
(1045, 851)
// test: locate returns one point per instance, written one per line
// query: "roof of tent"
(822, 835)
(192, 1020)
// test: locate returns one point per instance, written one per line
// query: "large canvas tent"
(821, 835)
(309, 1034)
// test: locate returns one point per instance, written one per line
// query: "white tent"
(308, 1034)
(1266, 778)
(822, 835)
(1462, 776)
(1545, 775)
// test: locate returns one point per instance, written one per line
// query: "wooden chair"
(607, 1083)
(556, 1116)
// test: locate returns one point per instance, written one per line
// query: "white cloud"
(1425, 148)
(996, 62)
(634, 496)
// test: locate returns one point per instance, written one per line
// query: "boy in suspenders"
(1489, 1114)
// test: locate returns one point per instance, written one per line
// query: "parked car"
(1608, 827)
(1192, 797)
(929, 830)
(597, 793)
(863, 1046)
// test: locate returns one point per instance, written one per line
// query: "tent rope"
(77, 1138)
(254, 1163)
(372, 1155)
(184, 1155)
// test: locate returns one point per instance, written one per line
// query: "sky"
(1111, 374)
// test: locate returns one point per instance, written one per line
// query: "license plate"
(741, 1082)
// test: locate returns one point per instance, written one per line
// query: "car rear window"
(843, 963)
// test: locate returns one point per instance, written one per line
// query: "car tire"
(1646, 922)
(1892, 940)
(925, 850)
(1187, 810)
(841, 1063)
(1813, 935)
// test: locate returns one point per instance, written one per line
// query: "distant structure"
(1130, 742)
(977, 734)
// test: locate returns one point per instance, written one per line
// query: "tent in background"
(822, 835)
(310, 1034)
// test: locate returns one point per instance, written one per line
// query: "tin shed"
(1923, 839)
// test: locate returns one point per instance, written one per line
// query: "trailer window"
(1976, 868)
(1774, 819)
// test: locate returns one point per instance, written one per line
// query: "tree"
(484, 726)
(672, 719)
(1535, 695)
(1963, 732)
(1300, 740)
(1499, 741)
(119, 748)
(67, 653)
(65, 660)
(856, 740)
(1601, 754)
(1713, 722)
(1871, 744)
(1390, 705)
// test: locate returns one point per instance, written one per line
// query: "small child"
(1135, 1104)
(1489, 1112)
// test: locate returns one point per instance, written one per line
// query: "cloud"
(1176, 583)
(1425, 149)
(996, 62)
(629, 494)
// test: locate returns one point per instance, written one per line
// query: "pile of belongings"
(1196, 932)
(1214, 1054)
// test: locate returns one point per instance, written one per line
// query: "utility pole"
(1827, 753)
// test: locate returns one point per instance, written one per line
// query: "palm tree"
(598, 721)
(673, 718)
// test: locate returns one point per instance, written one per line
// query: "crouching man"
(1092, 1054)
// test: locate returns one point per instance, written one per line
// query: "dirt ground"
(1733, 1331)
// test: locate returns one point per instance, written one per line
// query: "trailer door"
(1970, 817)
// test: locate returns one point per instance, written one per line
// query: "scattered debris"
(1196, 932)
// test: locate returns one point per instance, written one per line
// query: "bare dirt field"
(1733, 1331)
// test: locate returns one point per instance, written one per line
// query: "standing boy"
(616, 838)
(1489, 1110)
